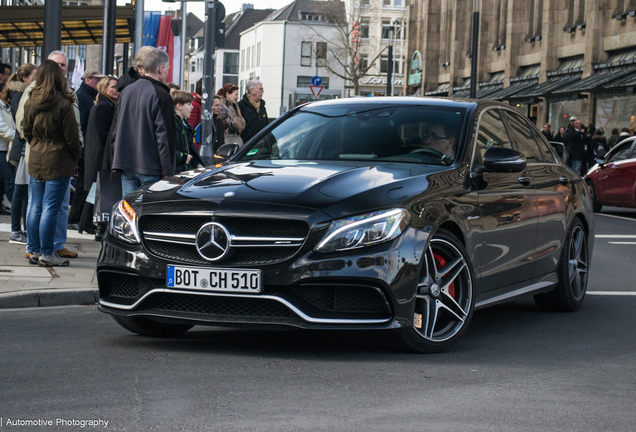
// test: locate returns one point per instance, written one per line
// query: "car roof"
(406, 100)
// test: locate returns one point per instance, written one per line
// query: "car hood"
(307, 184)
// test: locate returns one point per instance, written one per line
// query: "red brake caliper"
(441, 262)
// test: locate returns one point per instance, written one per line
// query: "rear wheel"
(570, 292)
(595, 204)
(444, 298)
(148, 327)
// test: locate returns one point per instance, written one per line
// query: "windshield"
(408, 134)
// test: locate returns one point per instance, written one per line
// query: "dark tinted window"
(621, 152)
(547, 150)
(522, 137)
(409, 134)
(491, 133)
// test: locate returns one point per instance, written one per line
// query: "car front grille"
(217, 305)
(254, 241)
(344, 298)
(121, 288)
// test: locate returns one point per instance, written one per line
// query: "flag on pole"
(151, 28)
(165, 41)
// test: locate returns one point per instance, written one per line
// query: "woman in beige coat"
(233, 121)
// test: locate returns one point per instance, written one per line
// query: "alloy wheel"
(577, 263)
(444, 294)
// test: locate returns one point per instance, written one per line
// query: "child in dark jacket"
(186, 156)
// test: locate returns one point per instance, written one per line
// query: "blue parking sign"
(316, 81)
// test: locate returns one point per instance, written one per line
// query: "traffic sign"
(316, 81)
(316, 89)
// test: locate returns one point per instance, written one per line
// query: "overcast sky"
(198, 7)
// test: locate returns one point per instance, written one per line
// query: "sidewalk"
(24, 285)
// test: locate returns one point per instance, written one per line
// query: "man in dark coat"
(144, 130)
(575, 143)
(253, 110)
(86, 95)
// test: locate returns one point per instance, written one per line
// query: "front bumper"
(369, 288)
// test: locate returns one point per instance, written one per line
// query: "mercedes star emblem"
(213, 241)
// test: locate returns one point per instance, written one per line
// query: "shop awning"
(441, 90)
(570, 66)
(22, 26)
(626, 81)
(509, 92)
(545, 89)
(593, 82)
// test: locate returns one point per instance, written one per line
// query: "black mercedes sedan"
(401, 215)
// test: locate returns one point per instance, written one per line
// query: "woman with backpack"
(598, 147)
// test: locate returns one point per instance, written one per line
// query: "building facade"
(551, 59)
(378, 23)
(287, 49)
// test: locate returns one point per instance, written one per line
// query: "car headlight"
(123, 223)
(364, 230)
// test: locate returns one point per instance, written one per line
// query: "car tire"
(573, 276)
(148, 327)
(444, 298)
(595, 204)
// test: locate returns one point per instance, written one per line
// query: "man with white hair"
(60, 58)
(253, 110)
(144, 132)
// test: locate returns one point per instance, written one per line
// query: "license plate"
(214, 279)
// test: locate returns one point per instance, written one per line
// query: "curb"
(51, 297)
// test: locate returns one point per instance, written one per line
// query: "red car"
(613, 182)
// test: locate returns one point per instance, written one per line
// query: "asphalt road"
(518, 369)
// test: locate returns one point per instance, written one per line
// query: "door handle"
(615, 167)
(524, 180)
(564, 180)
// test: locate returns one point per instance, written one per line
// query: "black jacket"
(144, 134)
(99, 122)
(185, 146)
(547, 135)
(85, 101)
(219, 133)
(16, 89)
(254, 120)
(575, 143)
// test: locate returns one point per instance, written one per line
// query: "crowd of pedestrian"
(584, 145)
(107, 139)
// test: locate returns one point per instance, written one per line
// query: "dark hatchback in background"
(393, 214)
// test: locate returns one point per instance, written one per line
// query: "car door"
(508, 213)
(616, 177)
(553, 189)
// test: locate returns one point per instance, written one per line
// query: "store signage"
(415, 77)
(380, 80)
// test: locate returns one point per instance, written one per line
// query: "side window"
(621, 153)
(491, 133)
(544, 146)
(522, 137)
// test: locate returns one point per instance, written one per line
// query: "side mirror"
(225, 152)
(503, 160)
(600, 162)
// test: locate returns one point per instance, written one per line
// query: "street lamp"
(473, 58)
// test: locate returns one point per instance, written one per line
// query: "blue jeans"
(131, 181)
(576, 165)
(19, 206)
(62, 221)
(46, 199)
